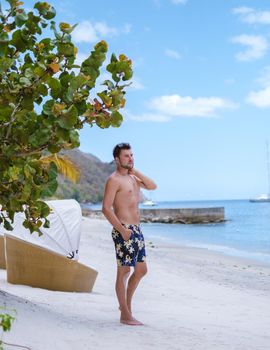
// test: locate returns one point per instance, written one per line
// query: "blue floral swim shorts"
(129, 252)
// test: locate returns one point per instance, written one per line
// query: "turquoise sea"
(246, 232)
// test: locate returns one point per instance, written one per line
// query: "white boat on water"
(261, 198)
(149, 202)
(264, 197)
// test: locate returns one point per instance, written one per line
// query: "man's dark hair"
(118, 148)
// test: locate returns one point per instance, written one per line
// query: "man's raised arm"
(144, 181)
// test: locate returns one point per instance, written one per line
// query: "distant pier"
(174, 216)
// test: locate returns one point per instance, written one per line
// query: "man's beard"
(127, 166)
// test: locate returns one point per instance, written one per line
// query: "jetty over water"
(174, 216)
(184, 215)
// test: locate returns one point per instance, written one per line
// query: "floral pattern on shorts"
(129, 252)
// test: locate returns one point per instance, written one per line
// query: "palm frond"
(64, 165)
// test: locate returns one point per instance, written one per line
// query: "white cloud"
(173, 54)
(252, 16)
(90, 32)
(178, 2)
(175, 105)
(148, 117)
(256, 47)
(85, 32)
(260, 98)
(103, 29)
(264, 79)
(167, 107)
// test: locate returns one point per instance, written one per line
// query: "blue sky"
(198, 112)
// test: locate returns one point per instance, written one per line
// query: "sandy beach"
(191, 298)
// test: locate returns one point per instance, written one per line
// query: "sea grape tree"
(45, 99)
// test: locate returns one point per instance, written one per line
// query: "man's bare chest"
(129, 187)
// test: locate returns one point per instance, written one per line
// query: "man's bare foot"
(128, 319)
(131, 322)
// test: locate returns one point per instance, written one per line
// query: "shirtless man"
(120, 207)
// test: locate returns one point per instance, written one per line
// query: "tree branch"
(12, 117)
(29, 152)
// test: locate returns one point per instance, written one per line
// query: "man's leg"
(120, 288)
(139, 271)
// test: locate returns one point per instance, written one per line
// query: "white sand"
(190, 299)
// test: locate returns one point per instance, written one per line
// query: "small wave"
(258, 256)
(233, 251)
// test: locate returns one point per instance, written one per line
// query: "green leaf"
(43, 208)
(46, 224)
(4, 39)
(108, 83)
(29, 73)
(102, 121)
(7, 225)
(28, 102)
(25, 81)
(14, 204)
(29, 171)
(54, 148)
(49, 189)
(117, 96)
(55, 86)
(77, 82)
(107, 100)
(116, 119)
(39, 71)
(39, 137)
(53, 171)
(5, 63)
(5, 112)
(42, 89)
(74, 138)
(26, 224)
(21, 18)
(66, 49)
(68, 118)
(127, 74)
(113, 58)
(18, 41)
(45, 9)
(65, 78)
(116, 77)
(62, 134)
(48, 44)
(101, 46)
(47, 107)
(27, 191)
(67, 28)
(81, 107)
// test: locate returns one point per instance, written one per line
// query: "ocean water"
(246, 232)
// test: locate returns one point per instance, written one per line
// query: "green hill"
(90, 186)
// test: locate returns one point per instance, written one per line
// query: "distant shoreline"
(171, 215)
